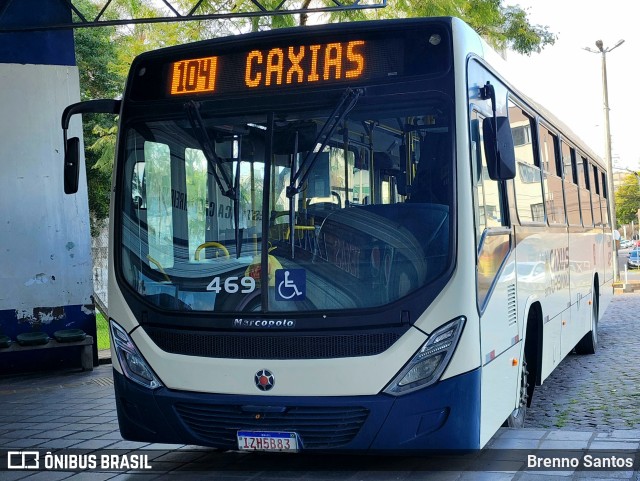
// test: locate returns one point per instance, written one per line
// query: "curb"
(104, 357)
(630, 287)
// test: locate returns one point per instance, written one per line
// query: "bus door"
(496, 291)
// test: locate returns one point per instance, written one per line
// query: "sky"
(567, 80)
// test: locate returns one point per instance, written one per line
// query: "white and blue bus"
(355, 237)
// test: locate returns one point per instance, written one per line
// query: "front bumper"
(444, 416)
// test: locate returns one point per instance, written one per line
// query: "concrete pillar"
(45, 254)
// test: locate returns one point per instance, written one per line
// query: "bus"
(350, 237)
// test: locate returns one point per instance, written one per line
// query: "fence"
(100, 254)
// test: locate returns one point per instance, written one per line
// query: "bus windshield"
(356, 206)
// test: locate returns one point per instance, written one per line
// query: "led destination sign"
(194, 76)
(286, 66)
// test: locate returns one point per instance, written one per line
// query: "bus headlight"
(430, 361)
(133, 364)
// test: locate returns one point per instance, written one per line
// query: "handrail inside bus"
(298, 177)
(228, 187)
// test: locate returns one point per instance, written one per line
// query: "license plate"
(268, 441)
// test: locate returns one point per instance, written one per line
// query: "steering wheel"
(210, 244)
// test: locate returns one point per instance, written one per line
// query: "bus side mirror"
(72, 145)
(71, 165)
(499, 148)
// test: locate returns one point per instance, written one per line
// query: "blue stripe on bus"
(446, 414)
(53, 47)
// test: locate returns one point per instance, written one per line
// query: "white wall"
(45, 248)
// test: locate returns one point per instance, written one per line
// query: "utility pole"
(607, 146)
(638, 179)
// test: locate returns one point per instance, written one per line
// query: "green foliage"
(102, 330)
(98, 185)
(104, 147)
(502, 27)
(628, 200)
(523, 37)
(95, 51)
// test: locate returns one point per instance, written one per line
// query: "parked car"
(633, 262)
(626, 243)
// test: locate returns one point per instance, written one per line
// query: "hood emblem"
(264, 380)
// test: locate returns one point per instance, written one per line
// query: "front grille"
(318, 427)
(261, 346)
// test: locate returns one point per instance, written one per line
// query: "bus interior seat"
(431, 231)
(386, 163)
(433, 174)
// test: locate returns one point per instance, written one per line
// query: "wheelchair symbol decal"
(291, 285)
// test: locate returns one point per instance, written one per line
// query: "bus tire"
(517, 417)
(589, 343)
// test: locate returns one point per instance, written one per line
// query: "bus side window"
(528, 181)
(488, 199)
(604, 206)
(584, 186)
(554, 197)
(487, 192)
(571, 184)
(595, 195)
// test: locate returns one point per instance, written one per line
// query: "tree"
(501, 26)
(94, 56)
(628, 200)
(103, 56)
(504, 27)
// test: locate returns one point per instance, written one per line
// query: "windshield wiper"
(227, 186)
(202, 136)
(345, 105)
(298, 177)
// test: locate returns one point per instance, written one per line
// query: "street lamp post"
(638, 179)
(607, 145)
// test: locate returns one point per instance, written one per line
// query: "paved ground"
(599, 392)
(589, 403)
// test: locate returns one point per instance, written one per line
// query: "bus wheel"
(589, 343)
(517, 416)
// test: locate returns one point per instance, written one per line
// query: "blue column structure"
(45, 240)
